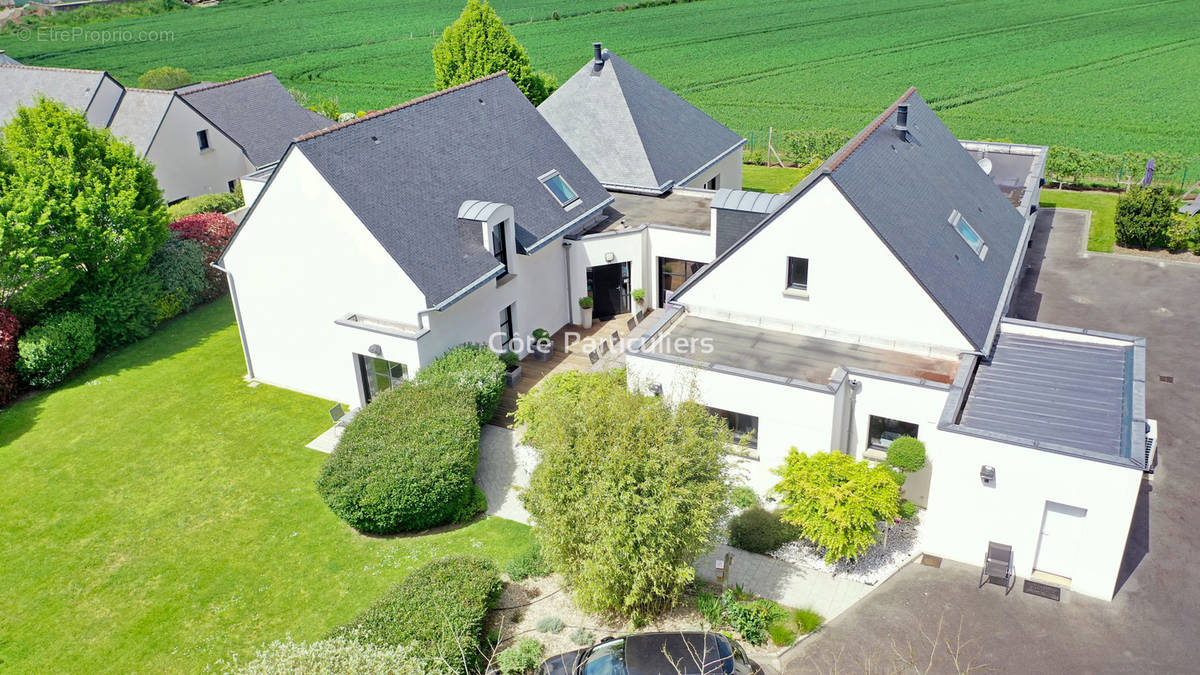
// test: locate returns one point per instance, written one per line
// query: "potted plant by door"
(543, 345)
(512, 366)
(639, 297)
(585, 310)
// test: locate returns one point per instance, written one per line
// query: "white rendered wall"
(182, 169)
(729, 169)
(856, 286)
(104, 102)
(251, 189)
(301, 261)
(964, 515)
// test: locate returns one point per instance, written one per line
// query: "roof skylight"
(968, 234)
(557, 185)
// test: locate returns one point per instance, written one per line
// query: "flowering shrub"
(10, 329)
(212, 231)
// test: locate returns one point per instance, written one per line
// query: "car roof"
(686, 653)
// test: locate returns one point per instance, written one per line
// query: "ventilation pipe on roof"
(597, 56)
(902, 120)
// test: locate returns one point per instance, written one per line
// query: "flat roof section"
(629, 211)
(1066, 393)
(1013, 168)
(791, 355)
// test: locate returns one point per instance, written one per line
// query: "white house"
(872, 305)
(201, 139)
(381, 242)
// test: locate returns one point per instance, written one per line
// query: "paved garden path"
(504, 466)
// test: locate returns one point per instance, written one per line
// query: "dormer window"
(557, 185)
(500, 245)
(968, 234)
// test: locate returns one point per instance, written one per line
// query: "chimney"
(597, 57)
(902, 118)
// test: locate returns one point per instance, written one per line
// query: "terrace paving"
(676, 209)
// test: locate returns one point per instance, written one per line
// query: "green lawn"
(159, 514)
(771, 178)
(1103, 206)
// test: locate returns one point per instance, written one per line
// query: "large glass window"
(557, 185)
(500, 245)
(671, 275)
(742, 425)
(883, 431)
(506, 326)
(797, 273)
(379, 375)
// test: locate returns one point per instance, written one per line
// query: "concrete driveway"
(1153, 624)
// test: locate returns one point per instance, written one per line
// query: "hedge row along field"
(1090, 74)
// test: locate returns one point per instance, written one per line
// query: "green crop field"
(1094, 74)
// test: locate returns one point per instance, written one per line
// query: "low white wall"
(729, 169)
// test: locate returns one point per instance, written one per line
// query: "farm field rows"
(1093, 74)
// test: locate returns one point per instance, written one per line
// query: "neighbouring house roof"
(1064, 390)
(632, 132)
(257, 113)
(405, 171)
(6, 59)
(138, 117)
(749, 202)
(907, 186)
(21, 85)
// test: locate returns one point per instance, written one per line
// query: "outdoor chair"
(340, 418)
(593, 356)
(640, 315)
(602, 348)
(998, 565)
(631, 323)
(615, 339)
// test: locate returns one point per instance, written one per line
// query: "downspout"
(567, 255)
(237, 315)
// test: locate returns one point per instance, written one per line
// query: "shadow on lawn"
(170, 339)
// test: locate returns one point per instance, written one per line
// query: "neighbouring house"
(871, 305)
(379, 243)
(638, 136)
(201, 139)
(6, 59)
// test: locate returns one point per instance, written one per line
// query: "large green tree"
(75, 205)
(628, 493)
(479, 44)
(837, 502)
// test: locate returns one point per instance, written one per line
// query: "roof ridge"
(145, 89)
(400, 106)
(69, 70)
(227, 82)
(836, 159)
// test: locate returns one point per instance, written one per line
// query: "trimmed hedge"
(124, 310)
(48, 352)
(221, 202)
(473, 366)
(438, 610)
(406, 462)
(759, 531)
(906, 453)
(179, 266)
(10, 330)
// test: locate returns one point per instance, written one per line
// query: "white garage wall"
(849, 267)
(729, 169)
(301, 261)
(182, 169)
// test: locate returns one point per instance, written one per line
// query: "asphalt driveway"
(1153, 624)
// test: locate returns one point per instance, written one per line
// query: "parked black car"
(656, 654)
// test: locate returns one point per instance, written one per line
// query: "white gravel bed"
(877, 564)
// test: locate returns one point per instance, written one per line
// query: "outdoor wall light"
(987, 474)
(610, 256)
(375, 349)
(656, 389)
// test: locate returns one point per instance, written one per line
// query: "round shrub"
(212, 231)
(521, 658)
(406, 462)
(124, 309)
(10, 330)
(438, 610)
(48, 352)
(179, 266)
(908, 510)
(907, 454)
(1144, 216)
(474, 367)
(549, 624)
(743, 497)
(759, 531)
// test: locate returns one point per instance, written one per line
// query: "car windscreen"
(606, 659)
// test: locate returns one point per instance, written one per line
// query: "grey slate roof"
(406, 171)
(21, 85)
(1069, 395)
(750, 202)
(139, 115)
(6, 59)
(257, 113)
(631, 131)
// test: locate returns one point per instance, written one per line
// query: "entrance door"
(609, 287)
(672, 272)
(1058, 548)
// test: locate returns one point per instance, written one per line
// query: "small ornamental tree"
(1144, 216)
(75, 203)
(628, 493)
(478, 44)
(165, 77)
(906, 453)
(837, 502)
(10, 330)
(212, 231)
